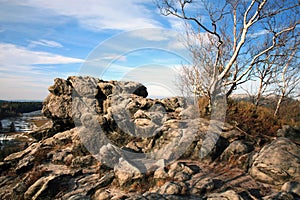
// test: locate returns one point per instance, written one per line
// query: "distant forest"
(15, 109)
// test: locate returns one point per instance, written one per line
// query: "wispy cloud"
(152, 34)
(12, 55)
(46, 43)
(100, 15)
(258, 33)
(112, 57)
(160, 80)
(25, 74)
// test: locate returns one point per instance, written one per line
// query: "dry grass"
(258, 121)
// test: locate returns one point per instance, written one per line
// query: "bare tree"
(288, 76)
(222, 34)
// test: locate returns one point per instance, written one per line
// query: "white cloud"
(99, 15)
(258, 33)
(160, 80)
(12, 55)
(153, 34)
(112, 57)
(46, 43)
(20, 75)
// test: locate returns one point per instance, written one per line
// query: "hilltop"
(107, 140)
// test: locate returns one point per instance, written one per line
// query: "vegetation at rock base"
(14, 109)
(253, 119)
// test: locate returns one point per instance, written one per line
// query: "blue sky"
(41, 40)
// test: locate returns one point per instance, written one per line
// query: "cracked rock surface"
(107, 140)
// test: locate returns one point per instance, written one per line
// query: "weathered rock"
(126, 173)
(202, 186)
(60, 87)
(292, 133)
(123, 145)
(277, 162)
(229, 195)
(102, 195)
(160, 173)
(180, 172)
(44, 131)
(172, 188)
(38, 187)
(171, 104)
(280, 196)
(66, 97)
(238, 154)
(236, 149)
(291, 187)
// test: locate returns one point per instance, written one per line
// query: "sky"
(121, 40)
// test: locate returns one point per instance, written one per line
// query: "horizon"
(57, 39)
(48, 40)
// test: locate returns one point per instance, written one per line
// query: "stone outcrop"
(106, 140)
(292, 133)
(277, 162)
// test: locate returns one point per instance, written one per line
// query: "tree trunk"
(278, 105)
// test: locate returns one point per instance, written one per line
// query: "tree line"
(14, 109)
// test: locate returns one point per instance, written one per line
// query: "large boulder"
(227, 195)
(62, 103)
(277, 162)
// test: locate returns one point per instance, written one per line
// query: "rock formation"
(108, 141)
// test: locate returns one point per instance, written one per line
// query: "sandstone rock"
(160, 173)
(147, 196)
(277, 162)
(238, 153)
(205, 185)
(60, 87)
(236, 149)
(280, 196)
(58, 108)
(79, 197)
(228, 195)
(117, 128)
(172, 188)
(102, 195)
(213, 149)
(129, 87)
(291, 187)
(126, 173)
(44, 131)
(71, 97)
(171, 104)
(38, 187)
(179, 171)
(25, 164)
(292, 133)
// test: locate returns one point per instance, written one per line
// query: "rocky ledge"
(108, 141)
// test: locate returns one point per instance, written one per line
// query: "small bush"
(251, 119)
(257, 120)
